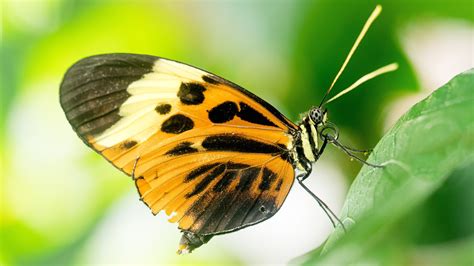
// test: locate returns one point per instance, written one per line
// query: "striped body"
(306, 145)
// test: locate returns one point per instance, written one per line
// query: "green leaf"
(433, 139)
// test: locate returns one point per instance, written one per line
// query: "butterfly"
(213, 156)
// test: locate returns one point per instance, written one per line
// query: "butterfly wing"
(221, 195)
(211, 154)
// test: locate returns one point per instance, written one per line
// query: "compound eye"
(316, 116)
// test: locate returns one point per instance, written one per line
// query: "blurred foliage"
(285, 52)
(426, 185)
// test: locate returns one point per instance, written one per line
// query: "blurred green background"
(61, 204)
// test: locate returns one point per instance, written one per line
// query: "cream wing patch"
(139, 119)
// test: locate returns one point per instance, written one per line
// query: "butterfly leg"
(190, 241)
(330, 134)
(323, 147)
(306, 172)
(330, 214)
(301, 177)
(365, 152)
(349, 152)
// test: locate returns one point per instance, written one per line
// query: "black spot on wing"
(128, 144)
(265, 105)
(182, 148)
(199, 171)
(226, 111)
(163, 109)
(94, 88)
(265, 203)
(247, 113)
(268, 177)
(247, 210)
(223, 112)
(191, 93)
(177, 124)
(229, 142)
(202, 185)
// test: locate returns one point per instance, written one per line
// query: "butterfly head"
(318, 115)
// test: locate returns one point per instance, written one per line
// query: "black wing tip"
(89, 63)
(95, 87)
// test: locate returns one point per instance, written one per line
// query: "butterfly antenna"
(371, 75)
(364, 30)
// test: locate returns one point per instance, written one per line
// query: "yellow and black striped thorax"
(306, 143)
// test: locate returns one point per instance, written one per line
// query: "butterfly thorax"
(306, 141)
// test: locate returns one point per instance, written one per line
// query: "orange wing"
(211, 154)
(228, 192)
